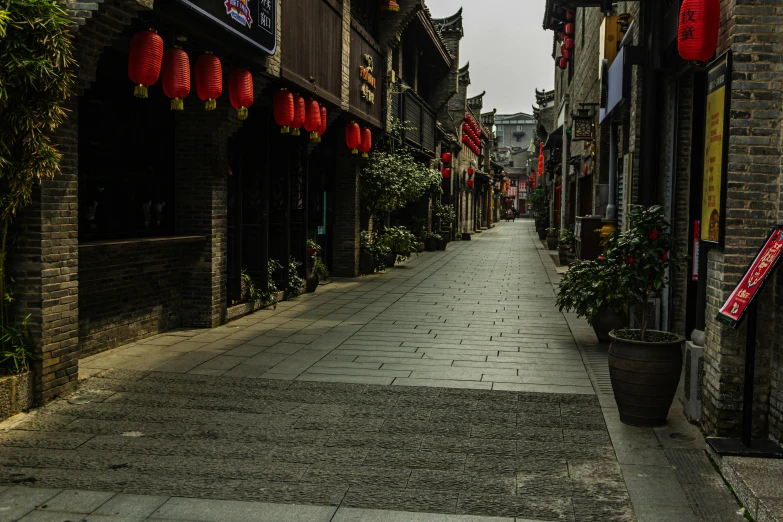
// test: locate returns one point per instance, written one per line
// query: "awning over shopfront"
(555, 139)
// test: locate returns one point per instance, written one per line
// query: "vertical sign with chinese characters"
(754, 279)
(695, 257)
(715, 148)
(254, 21)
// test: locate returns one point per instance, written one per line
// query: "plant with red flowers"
(644, 255)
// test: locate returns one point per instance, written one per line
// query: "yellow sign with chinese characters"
(715, 141)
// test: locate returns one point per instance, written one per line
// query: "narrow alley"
(439, 387)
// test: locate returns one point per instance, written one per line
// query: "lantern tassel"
(242, 113)
(210, 104)
(295, 132)
(285, 129)
(176, 104)
(140, 91)
(354, 151)
(314, 136)
(365, 155)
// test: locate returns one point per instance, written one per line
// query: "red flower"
(630, 260)
(601, 258)
(653, 235)
(665, 256)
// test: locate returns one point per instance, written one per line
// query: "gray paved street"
(440, 391)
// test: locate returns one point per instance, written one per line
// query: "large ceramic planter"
(562, 253)
(420, 246)
(311, 282)
(442, 244)
(644, 378)
(390, 259)
(551, 242)
(542, 235)
(365, 264)
(431, 244)
(466, 237)
(16, 394)
(607, 320)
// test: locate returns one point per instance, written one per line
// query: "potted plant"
(431, 241)
(592, 290)
(564, 245)
(316, 267)
(400, 243)
(373, 254)
(443, 217)
(551, 239)
(16, 381)
(644, 364)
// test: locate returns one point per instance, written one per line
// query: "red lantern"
(569, 15)
(240, 91)
(569, 29)
(176, 77)
(563, 63)
(299, 115)
(446, 173)
(312, 118)
(283, 104)
(470, 172)
(390, 5)
(145, 61)
(566, 54)
(322, 128)
(366, 144)
(465, 138)
(470, 183)
(446, 157)
(353, 137)
(569, 43)
(698, 29)
(209, 80)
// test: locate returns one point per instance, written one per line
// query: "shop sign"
(254, 21)
(713, 217)
(754, 279)
(695, 257)
(369, 82)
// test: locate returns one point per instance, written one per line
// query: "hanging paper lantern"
(366, 144)
(446, 157)
(466, 139)
(562, 63)
(698, 29)
(240, 91)
(322, 127)
(569, 43)
(209, 80)
(312, 118)
(145, 61)
(470, 183)
(353, 137)
(176, 77)
(566, 54)
(569, 29)
(470, 172)
(390, 5)
(283, 105)
(569, 15)
(299, 115)
(446, 173)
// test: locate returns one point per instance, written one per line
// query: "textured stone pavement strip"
(439, 387)
(442, 319)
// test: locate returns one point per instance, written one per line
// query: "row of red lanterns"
(148, 62)
(358, 139)
(292, 112)
(471, 134)
(541, 158)
(567, 47)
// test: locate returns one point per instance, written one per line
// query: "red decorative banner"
(767, 259)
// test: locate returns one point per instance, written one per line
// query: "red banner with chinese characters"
(762, 267)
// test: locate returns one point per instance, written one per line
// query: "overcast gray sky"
(510, 54)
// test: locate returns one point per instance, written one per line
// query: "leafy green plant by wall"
(36, 58)
(443, 215)
(15, 349)
(377, 250)
(293, 283)
(399, 241)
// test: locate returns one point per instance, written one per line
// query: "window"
(519, 127)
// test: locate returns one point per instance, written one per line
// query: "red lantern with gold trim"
(562, 63)
(283, 105)
(145, 61)
(240, 91)
(470, 172)
(569, 15)
(390, 5)
(176, 77)
(568, 43)
(299, 115)
(312, 118)
(446, 157)
(209, 80)
(569, 29)
(353, 137)
(566, 54)
(699, 26)
(322, 127)
(470, 183)
(366, 144)
(446, 172)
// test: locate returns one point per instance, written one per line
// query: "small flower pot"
(551, 242)
(442, 244)
(645, 375)
(431, 244)
(466, 237)
(312, 251)
(311, 282)
(390, 259)
(420, 246)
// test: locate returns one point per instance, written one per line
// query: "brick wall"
(753, 205)
(130, 291)
(347, 227)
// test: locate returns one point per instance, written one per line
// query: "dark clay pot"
(644, 379)
(390, 259)
(442, 244)
(420, 246)
(542, 234)
(466, 237)
(311, 282)
(563, 256)
(551, 242)
(607, 320)
(431, 245)
(365, 264)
